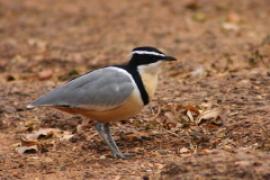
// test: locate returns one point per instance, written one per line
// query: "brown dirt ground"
(223, 50)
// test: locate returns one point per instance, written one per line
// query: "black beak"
(169, 58)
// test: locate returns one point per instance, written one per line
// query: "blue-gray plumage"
(100, 89)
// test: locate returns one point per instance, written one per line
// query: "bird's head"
(146, 55)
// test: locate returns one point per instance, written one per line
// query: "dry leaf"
(192, 109)
(27, 149)
(184, 150)
(190, 116)
(49, 133)
(42, 133)
(66, 136)
(27, 145)
(243, 163)
(207, 115)
(45, 74)
(192, 113)
(28, 142)
(230, 26)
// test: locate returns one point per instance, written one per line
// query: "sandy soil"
(223, 50)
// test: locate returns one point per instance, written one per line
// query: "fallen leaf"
(190, 116)
(102, 157)
(230, 26)
(45, 74)
(31, 143)
(27, 145)
(27, 149)
(243, 163)
(184, 150)
(209, 115)
(192, 109)
(25, 141)
(66, 136)
(42, 133)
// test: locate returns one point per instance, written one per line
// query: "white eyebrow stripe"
(148, 52)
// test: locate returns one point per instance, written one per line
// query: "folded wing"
(98, 90)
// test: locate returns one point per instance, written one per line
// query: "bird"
(110, 94)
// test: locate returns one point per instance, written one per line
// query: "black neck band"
(138, 80)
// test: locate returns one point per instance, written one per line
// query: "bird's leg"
(104, 131)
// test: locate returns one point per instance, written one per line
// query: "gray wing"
(100, 89)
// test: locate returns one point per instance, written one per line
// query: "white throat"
(152, 68)
(149, 75)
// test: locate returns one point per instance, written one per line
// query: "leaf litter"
(36, 141)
